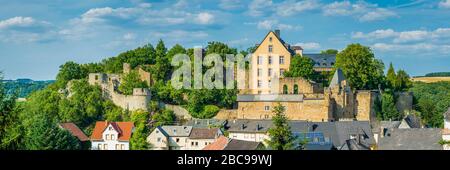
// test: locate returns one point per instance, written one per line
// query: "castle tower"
(341, 96)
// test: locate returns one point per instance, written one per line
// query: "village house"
(111, 135)
(200, 137)
(182, 137)
(170, 137)
(76, 132)
(224, 143)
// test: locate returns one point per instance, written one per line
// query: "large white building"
(111, 135)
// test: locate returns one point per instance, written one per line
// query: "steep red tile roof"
(75, 131)
(219, 144)
(124, 128)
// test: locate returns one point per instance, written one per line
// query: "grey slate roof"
(413, 121)
(322, 60)
(390, 124)
(172, 131)
(270, 97)
(204, 123)
(234, 144)
(250, 126)
(411, 139)
(338, 77)
(337, 132)
(204, 133)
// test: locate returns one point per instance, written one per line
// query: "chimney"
(242, 127)
(257, 127)
(278, 33)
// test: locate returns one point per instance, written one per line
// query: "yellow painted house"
(272, 57)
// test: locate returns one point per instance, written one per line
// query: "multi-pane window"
(259, 72)
(260, 60)
(269, 72)
(270, 48)
(270, 83)
(281, 59)
(270, 39)
(266, 108)
(112, 137)
(270, 60)
(281, 72)
(259, 83)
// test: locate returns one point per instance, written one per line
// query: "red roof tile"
(75, 131)
(124, 128)
(219, 144)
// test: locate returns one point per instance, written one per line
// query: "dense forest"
(438, 74)
(24, 86)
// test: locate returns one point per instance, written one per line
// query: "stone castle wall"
(110, 82)
(309, 109)
(365, 101)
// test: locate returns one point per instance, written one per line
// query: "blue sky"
(36, 36)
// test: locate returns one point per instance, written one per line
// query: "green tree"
(7, 115)
(163, 117)
(329, 51)
(138, 139)
(69, 71)
(131, 81)
(388, 108)
(301, 67)
(43, 134)
(360, 67)
(280, 134)
(391, 77)
(161, 69)
(84, 106)
(403, 81)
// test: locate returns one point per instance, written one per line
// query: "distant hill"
(438, 74)
(25, 86)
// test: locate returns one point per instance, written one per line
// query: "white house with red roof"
(111, 135)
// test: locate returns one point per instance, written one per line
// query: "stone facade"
(109, 84)
(311, 102)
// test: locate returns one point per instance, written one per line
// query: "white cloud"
(412, 48)
(309, 45)
(444, 4)
(292, 7)
(378, 34)
(205, 18)
(409, 36)
(17, 22)
(377, 14)
(273, 24)
(129, 36)
(25, 29)
(180, 35)
(363, 11)
(230, 4)
(181, 4)
(145, 5)
(267, 24)
(404, 36)
(257, 7)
